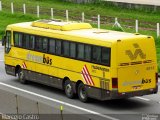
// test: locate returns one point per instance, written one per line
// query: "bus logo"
(86, 76)
(138, 52)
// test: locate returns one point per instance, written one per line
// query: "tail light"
(114, 82)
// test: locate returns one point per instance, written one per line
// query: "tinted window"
(80, 51)
(45, 45)
(31, 42)
(16, 39)
(20, 40)
(8, 42)
(65, 48)
(87, 52)
(25, 42)
(58, 47)
(72, 50)
(52, 46)
(96, 54)
(105, 56)
(39, 43)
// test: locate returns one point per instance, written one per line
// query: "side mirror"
(3, 40)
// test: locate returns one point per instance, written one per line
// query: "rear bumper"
(101, 94)
(117, 95)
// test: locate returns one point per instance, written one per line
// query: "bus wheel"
(68, 89)
(21, 76)
(82, 93)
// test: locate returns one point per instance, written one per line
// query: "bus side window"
(80, 51)
(52, 46)
(72, 50)
(25, 41)
(26, 38)
(39, 43)
(31, 42)
(65, 47)
(20, 40)
(105, 56)
(58, 47)
(16, 39)
(87, 52)
(45, 45)
(96, 54)
(8, 42)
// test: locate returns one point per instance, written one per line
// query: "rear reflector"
(114, 82)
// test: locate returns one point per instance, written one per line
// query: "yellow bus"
(81, 60)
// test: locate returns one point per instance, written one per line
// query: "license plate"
(136, 87)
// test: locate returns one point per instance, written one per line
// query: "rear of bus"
(136, 71)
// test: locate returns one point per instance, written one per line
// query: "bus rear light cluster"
(114, 82)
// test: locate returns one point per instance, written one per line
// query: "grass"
(7, 18)
(104, 9)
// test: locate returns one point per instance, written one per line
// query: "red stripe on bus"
(84, 76)
(89, 75)
(90, 82)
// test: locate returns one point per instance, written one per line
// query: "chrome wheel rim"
(83, 93)
(21, 75)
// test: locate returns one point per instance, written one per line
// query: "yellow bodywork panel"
(137, 64)
(135, 78)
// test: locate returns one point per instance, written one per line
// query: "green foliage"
(102, 8)
(7, 18)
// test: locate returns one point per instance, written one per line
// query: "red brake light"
(114, 82)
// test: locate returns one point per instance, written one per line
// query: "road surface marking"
(61, 102)
(143, 98)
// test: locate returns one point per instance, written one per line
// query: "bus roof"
(82, 32)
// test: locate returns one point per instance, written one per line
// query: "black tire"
(21, 76)
(82, 93)
(68, 88)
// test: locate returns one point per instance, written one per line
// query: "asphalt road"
(119, 109)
